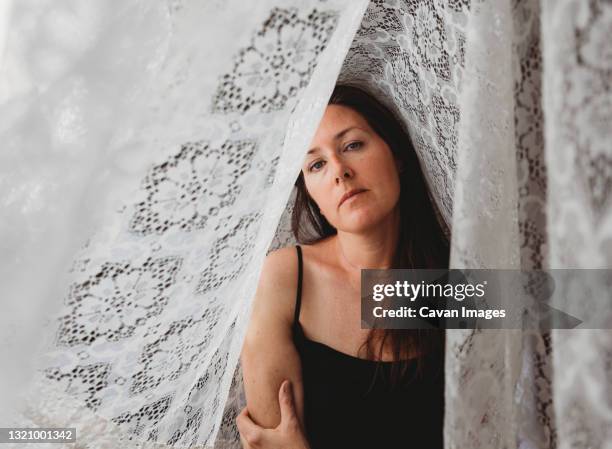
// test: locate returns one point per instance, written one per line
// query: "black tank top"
(348, 403)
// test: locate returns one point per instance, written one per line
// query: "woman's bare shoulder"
(280, 268)
(277, 286)
(281, 262)
(278, 281)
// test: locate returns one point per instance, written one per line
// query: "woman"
(362, 202)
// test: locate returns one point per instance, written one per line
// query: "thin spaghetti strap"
(298, 298)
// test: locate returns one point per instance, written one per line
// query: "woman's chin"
(360, 220)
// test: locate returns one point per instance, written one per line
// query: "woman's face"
(346, 155)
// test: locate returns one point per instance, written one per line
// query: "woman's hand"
(287, 435)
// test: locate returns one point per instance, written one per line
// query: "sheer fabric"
(149, 154)
(577, 61)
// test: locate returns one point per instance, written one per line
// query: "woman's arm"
(269, 355)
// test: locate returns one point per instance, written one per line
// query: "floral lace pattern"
(277, 64)
(194, 185)
(115, 300)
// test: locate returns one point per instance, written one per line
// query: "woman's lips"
(347, 196)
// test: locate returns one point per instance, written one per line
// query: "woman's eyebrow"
(337, 136)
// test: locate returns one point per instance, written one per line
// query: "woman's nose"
(343, 172)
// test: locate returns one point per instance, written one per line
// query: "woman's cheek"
(332, 215)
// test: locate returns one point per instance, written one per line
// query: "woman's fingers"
(249, 431)
(253, 436)
(287, 404)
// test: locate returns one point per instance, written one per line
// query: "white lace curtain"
(148, 154)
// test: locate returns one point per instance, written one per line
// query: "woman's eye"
(316, 166)
(353, 145)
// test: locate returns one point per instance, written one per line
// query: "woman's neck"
(372, 249)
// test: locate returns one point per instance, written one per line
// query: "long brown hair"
(422, 243)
